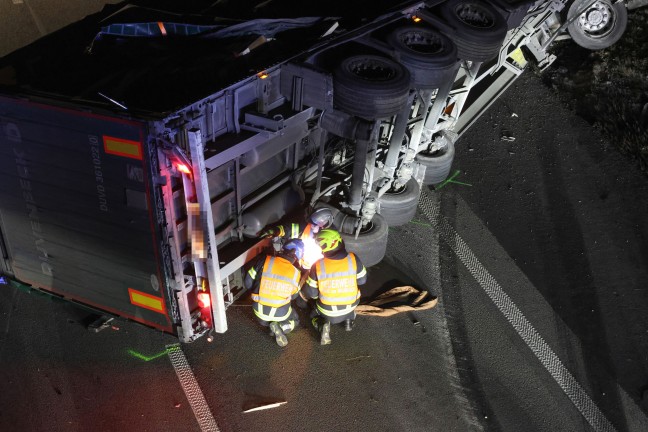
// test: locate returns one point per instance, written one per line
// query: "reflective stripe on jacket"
(307, 233)
(279, 282)
(337, 281)
(294, 231)
(268, 313)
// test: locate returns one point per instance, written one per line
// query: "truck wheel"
(430, 56)
(371, 244)
(399, 208)
(600, 26)
(370, 86)
(480, 29)
(437, 164)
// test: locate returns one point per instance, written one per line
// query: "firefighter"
(274, 281)
(318, 220)
(333, 282)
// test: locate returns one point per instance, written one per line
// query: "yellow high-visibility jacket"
(277, 286)
(334, 281)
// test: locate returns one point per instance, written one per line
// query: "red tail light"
(183, 168)
(204, 301)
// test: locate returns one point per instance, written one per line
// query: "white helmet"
(322, 217)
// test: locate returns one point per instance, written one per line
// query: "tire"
(600, 26)
(370, 86)
(480, 29)
(437, 164)
(399, 208)
(430, 56)
(371, 244)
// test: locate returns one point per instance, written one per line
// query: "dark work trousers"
(315, 313)
(287, 325)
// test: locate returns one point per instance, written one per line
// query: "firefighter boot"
(279, 335)
(325, 331)
(348, 324)
(288, 325)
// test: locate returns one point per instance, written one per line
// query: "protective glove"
(268, 232)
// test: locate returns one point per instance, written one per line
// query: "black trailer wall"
(75, 209)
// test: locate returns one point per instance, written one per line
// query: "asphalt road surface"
(537, 254)
(558, 218)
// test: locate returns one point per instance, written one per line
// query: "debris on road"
(358, 358)
(265, 407)
(101, 322)
(396, 300)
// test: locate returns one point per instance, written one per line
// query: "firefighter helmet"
(295, 246)
(322, 217)
(329, 240)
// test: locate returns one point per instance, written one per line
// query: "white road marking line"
(192, 389)
(512, 313)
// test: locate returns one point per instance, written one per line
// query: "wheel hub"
(425, 43)
(372, 70)
(474, 15)
(596, 18)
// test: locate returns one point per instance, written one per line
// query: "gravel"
(609, 88)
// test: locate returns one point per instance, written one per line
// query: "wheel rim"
(394, 192)
(598, 20)
(368, 228)
(421, 42)
(363, 230)
(474, 15)
(436, 153)
(374, 70)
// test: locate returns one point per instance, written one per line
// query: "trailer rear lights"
(416, 19)
(204, 301)
(183, 168)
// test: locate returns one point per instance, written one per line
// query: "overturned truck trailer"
(142, 149)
